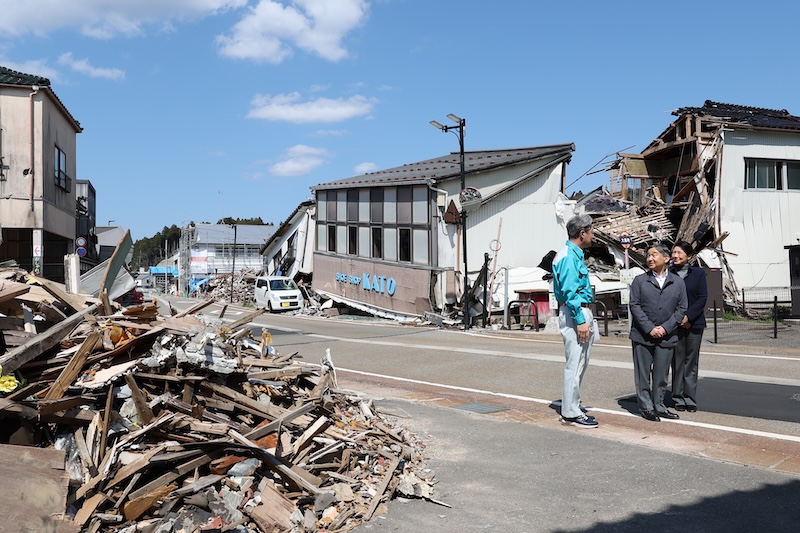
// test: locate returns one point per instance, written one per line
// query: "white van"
(277, 293)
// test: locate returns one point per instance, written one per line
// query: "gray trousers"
(577, 355)
(650, 372)
(684, 367)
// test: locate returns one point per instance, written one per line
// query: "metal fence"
(761, 317)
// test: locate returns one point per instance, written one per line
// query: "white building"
(290, 250)
(215, 249)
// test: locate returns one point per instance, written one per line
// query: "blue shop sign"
(375, 283)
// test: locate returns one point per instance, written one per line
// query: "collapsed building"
(723, 177)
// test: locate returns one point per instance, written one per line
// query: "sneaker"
(582, 421)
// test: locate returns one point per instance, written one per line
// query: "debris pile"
(220, 287)
(179, 423)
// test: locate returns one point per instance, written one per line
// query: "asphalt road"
(486, 403)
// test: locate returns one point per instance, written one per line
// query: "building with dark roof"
(730, 174)
(390, 241)
(37, 173)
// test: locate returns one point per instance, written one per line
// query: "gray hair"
(578, 223)
(663, 249)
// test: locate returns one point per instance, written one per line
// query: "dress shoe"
(691, 408)
(650, 415)
(680, 407)
(669, 415)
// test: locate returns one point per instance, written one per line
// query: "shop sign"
(375, 283)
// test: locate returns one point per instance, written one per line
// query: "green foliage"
(782, 313)
(149, 251)
(243, 221)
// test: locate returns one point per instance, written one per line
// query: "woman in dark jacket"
(690, 333)
(657, 305)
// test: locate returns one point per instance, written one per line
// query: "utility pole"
(233, 264)
(461, 125)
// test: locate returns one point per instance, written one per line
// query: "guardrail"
(534, 317)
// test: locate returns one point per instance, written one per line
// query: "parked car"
(277, 293)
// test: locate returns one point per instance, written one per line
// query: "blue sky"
(194, 110)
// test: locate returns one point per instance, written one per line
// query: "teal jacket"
(571, 280)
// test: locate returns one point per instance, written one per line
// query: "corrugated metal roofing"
(738, 114)
(448, 166)
(12, 77)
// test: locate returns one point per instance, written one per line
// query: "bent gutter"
(35, 90)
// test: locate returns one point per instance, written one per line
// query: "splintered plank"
(382, 488)
(274, 510)
(73, 368)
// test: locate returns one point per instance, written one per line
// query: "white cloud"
(367, 166)
(330, 133)
(83, 66)
(103, 18)
(299, 160)
(271, 30)
(290, 108)
(36, 67)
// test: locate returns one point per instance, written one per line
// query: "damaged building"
(392, 242)
(725, 178)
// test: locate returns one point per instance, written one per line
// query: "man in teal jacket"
(575, 321)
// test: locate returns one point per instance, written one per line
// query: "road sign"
(80, 241)
(37, 251)
(625, 239)
(81, 251)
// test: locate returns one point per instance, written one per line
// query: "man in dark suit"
(657, 306)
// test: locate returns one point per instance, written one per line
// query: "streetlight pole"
(461, 124)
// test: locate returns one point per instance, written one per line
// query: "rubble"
(182, 423)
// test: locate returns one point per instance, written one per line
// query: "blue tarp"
(198, 284)
(172, 271)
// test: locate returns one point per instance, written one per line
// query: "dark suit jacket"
(696, 296)
(653, 306)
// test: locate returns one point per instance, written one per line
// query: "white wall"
(760, 222)
(526, 221)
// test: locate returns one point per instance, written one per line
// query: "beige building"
(37, 174)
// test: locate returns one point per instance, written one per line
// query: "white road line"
(726, 354)
(750, 378)
(729, 429)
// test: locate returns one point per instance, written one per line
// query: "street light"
(461, 124)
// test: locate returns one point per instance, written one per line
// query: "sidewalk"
(519, 470)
